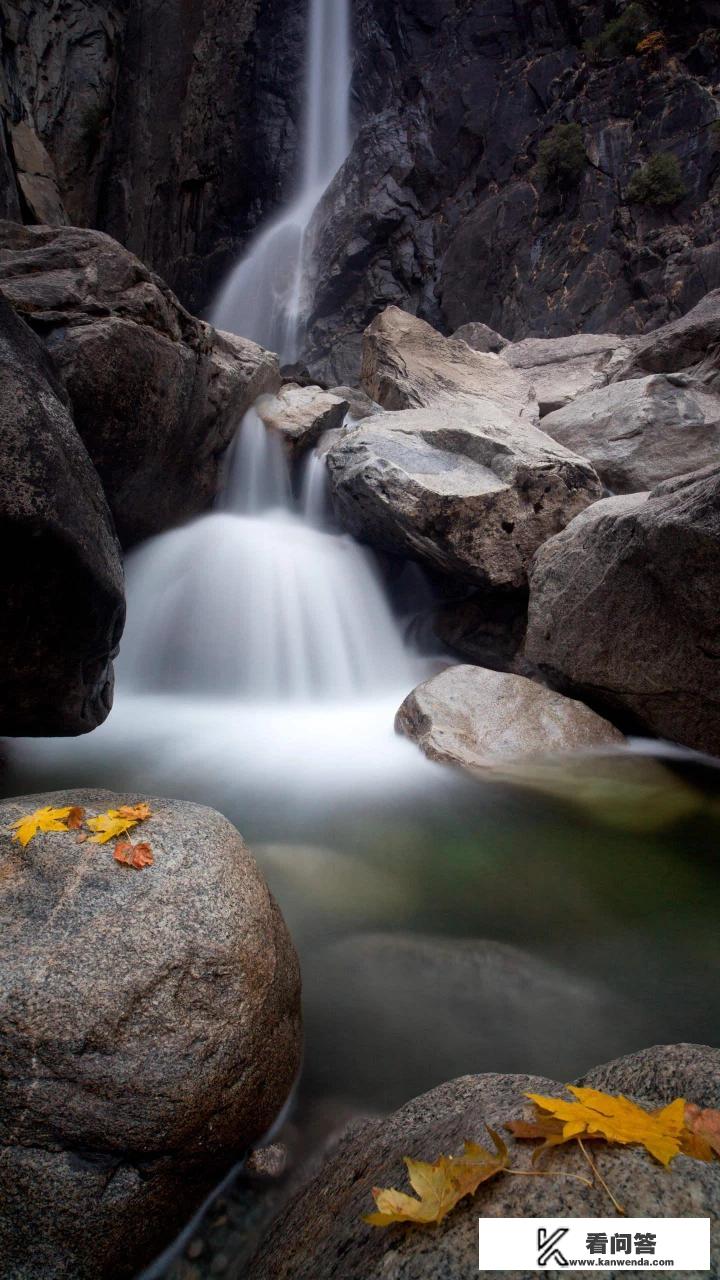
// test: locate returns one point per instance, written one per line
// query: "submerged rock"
(478, 718)
(469, 488)
(62, 580)
(637, 434)
(392, 1014)
(301, 415)
(150, 1032)
(323, 1222)
(157, 395)
(561, 369)
(623, 607)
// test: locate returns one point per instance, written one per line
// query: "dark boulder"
(157, 395)
(61, 576)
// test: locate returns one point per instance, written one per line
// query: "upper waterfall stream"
(264, 296)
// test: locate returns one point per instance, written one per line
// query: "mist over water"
(264, 296)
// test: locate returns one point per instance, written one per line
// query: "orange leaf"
(133, 855)
(137, 812)
(701, 1136)
(74, 819)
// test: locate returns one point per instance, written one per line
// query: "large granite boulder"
(324, 1221)
(406, 364)
(623, 607)
(157, 395)
(667, 1071)
(639, 433)
(684, 343)
(560, 369)
(469, 488)
(61, 577)
(477, 718)
(150, 1032)
(301, 415)
(390, 1014)
(480, 337)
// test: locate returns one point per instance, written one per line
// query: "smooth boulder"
(61, 579)
(469, 489)
(301, 415)
(480, 337)
(406, 364)
(477, 718)
(560, 369)
(157, 395)
(149, 1033)
(638, 433)
(624, 608)
(324, 1220)
(688, 342)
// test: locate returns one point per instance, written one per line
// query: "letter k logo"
(548, 1246)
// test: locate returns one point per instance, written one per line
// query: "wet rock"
(560, 369)
(393, 1014)
(61, 579)
(623, 607)
(480, 337)
(406, 364)
(639, 433)
(477, 718)
(150, 1033)
(324, 1220)
(301, 415)
(468, 488)
(157, 395)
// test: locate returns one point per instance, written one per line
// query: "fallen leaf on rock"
(74, 820)
(138, 812)
(110, 825)
(616, 1119)
(439, 1186)
(701, 1135)
(47, 819)
(134, 855)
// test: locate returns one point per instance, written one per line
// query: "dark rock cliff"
(173, 125)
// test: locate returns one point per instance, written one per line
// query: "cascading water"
(263, 298)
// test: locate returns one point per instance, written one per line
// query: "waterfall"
(261, 600)
(264, 296)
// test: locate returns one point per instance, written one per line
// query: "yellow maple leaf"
(110, 825)
(47, 819)
(438, 1186)
(616, 1119)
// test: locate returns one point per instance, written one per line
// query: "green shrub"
(621, 36)
(561, 157)
(658, 183)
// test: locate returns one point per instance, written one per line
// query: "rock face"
(478, 718)
(301, 415)
(406, 364)
(561, 369)
(637, 434)
(150, 1032)
(469, 489)
(485, 1005)
(62, 581)
(623, 606)
(157, 395)
(324, 1221)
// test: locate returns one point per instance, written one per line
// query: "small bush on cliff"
(561, 157)
(621, 36)
(658, 183)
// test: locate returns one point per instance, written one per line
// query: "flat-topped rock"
(302, 415)
(559, 370)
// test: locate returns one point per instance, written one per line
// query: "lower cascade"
(261, 599)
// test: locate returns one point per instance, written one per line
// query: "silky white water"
(264, 296)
